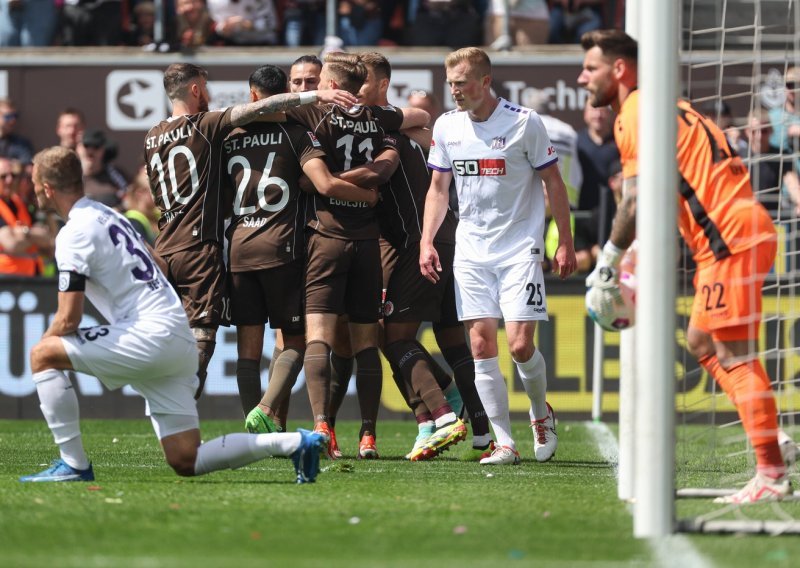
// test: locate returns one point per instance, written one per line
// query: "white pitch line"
(675, 551)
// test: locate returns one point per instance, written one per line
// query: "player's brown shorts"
(409, 296)
(343, 277)
(727, 299)
(198, 275)
(272, 294)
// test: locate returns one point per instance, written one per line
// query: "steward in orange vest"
(28, 263)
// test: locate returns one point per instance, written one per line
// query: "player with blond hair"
(502, 161)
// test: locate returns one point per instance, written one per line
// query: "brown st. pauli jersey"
(401, 207)
(263, 162)
(350, 138)
(183, 156)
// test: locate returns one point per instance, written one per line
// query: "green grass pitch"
(382, 513)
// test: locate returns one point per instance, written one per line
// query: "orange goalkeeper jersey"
(717, 213)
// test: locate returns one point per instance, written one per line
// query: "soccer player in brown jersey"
(343, 259)
(287, 355)
(409, 298)
(182, 155)
(304, 74)
(264, 161)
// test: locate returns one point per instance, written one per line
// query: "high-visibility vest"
(23, 264)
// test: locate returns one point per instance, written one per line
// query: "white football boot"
(760, 489)
(502, 455)
(545, 439)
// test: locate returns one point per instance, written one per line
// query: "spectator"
(393, 22)
(596, 152)
(27, 23)
(528, 23)
(360, 22)
(588, 227)
(428, 102)
(245, 22)
(91, 22)
(12, 145)
(719, 112)
(786, 118)
(69, 128)
(140, 209)
(771, 174)
(102, 181)
(193, 24)
(565, 140)
(765, 172)
(570, 19)
(304, 22)
(23, 185)
(142, 29)
(592, 227)
(453, 23)
(20, 241)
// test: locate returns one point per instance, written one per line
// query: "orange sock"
(748, 387)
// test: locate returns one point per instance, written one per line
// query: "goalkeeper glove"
(606, 273)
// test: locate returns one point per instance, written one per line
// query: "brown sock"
(205, 349)
(460, 360)
(369, 380)
(443, 378)
(281, 413)
(318, 378)
(248, 379)
(341, 371)
(282, 377)
(413, 364)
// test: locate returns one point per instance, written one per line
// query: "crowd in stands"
(767, 140)
(27, 233)
(188, 24)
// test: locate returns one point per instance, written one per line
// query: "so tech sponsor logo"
(483, 167)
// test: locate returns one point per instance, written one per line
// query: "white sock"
(233, 451)
(533, 373)
(445, 419)
(494, 396)
(428, 426)
(59, 404)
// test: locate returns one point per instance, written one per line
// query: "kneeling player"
(148, 343)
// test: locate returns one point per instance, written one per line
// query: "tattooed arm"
(245, 113)
(623, 230)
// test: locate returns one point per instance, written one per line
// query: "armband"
(308, 97)
(69, 281)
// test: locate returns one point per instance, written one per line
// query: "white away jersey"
(122, 278)
(500, 195)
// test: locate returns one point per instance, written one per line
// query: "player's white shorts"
(514, 293)
(157, 363)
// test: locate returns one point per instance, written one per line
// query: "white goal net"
(737, 65)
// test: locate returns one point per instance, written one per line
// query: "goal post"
(655, 271)
(736, 53)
